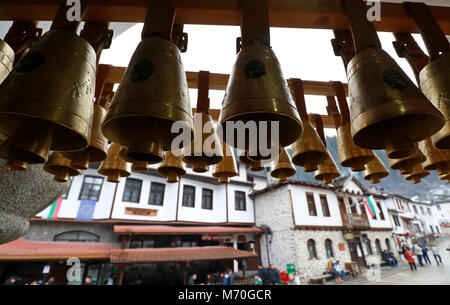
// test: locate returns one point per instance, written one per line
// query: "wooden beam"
(319, 14)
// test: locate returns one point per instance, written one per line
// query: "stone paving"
(402, 275)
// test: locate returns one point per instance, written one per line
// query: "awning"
(167, 230)
(25, 250)
(407, 217)
(187, 254)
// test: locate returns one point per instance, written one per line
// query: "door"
(356, 253)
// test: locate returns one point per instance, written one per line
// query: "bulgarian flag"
(54, 209)
(369, 202)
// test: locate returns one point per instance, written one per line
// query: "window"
(312, 249)
(422, 210)
(324, 203)
(429, 211)
(156, 193)
(91, 188)
(352, 205)
(368, 246)
(416, 228)
(362, 207)
(438, 207)
(132, 192)
(396, 220)
(239, 201)
(66, 194)
(188, 196)
(431, 227)
(378, 245)
(77, 236)
(380, 211)
(328, 248)
(207, 199)
(415, 209)
(388, 244)
(437, 230)
(311, 205)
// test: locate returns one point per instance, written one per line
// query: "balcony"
(355, 221)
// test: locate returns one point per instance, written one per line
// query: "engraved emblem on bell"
(395, 79)
(255, 69)
(142, 71)
(30, 62)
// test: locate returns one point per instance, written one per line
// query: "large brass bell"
(308, 150)
(205, 150)
(435, 76)
(385, 104)
(172, 167)
(6, 60)
(46, 102)
(282, 168)
(97, 149)
(114, 167)
(255, 166)
(327, 171)
(257, 91)
(152, 95)
(436, 158)
(226, 168)
(60, 167)
(375, 170)
(417, 174)
(406, 165)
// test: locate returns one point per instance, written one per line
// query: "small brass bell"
(405, 165)
(200, 153)
(375, 170)
(152, 95)
(172, 167)
(443, 169)
(15, 165)
(139, 166)
(327, 171)
(257, 91)
(7, 60)
(282, 168)
(97, 149)
(308, 150)
(46, 102)
(255, 166)
(417, 174)
(435, 158)
(60, 167)
(385, 104)
(114, 167)
(226, 168)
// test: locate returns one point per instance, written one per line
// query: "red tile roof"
(156, 229)
(162, 255)
(25, 250)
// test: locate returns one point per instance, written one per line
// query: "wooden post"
(119, 279)
(174, 270)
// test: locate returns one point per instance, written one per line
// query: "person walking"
(262, 273)
(425, 254)
(273, 275)
(228, 278)
(418, 252)
(409, 255)
(435, 250)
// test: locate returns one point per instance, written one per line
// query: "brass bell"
(255, 166)
(97, 149)
(435, 158)
(205, 150)
(443, 170)
(139, 166)
(308, 150)
(7, 60)
(282, 168)
(114, 167)
(46, 102)
(15, 165)
(60, 167)
(172, 167)
(327, 171)
(152, 95)
(375, 170)
(257, 91)
(226, 168)
(405, 165)
(434, 77)
(385, 104)
(417, 174)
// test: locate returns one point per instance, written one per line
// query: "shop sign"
(216, 237)
(141, 212)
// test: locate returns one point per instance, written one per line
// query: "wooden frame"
(282, 13)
